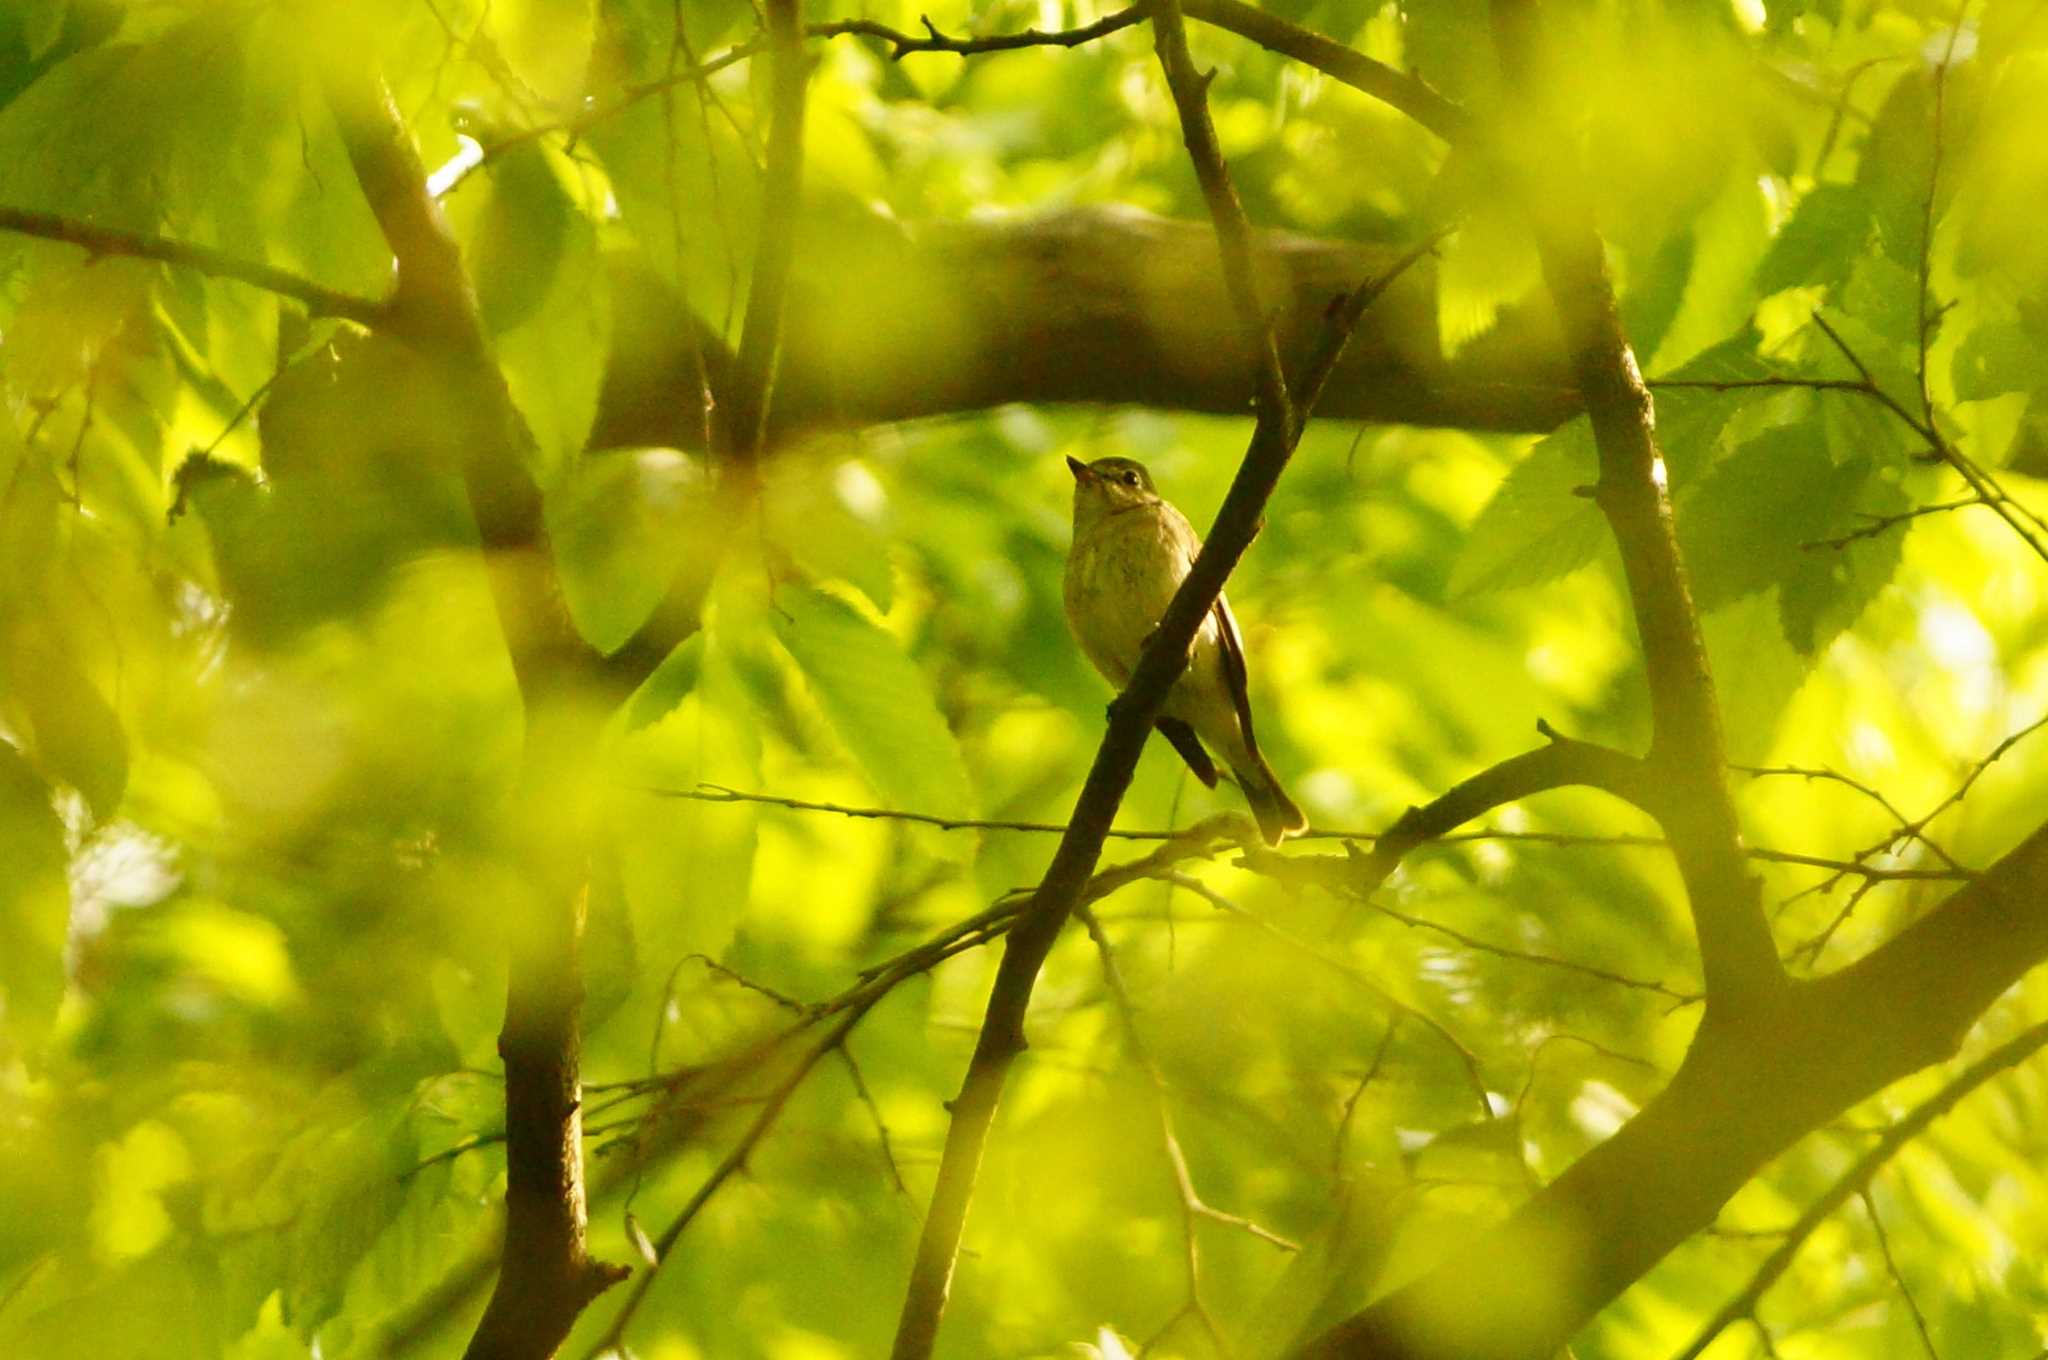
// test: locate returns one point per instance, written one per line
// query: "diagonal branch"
(1853, 1181)
(1737, 956)
(1347, 65)
(1164, 657)
(97, 241)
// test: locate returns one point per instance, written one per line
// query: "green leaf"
(35, 901)
(623, 525)
(1818, 244)
(1535, 529)
(686, 866)
(877, 700)
(72, 731)
(1729, 238)
(832, 521)
(1690, 419)
(1756, 672)
(349, 1184)
(1761, 518)
(43, 24)
(688, 190)
(1996, 358)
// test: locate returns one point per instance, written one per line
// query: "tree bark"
(1099, 305)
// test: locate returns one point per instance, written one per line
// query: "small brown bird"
(1131, 550)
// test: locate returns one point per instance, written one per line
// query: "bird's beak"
(1081, 471)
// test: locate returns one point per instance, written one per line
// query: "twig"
(1988, 489)
(99, 241)
(716, 793)
(867, 1100)
(902, 44)
(699, 73)
(1346, 65)
(845, 1009)
(1372, 1072)
(1190, 91)
(1876, 525)
(1891, 1266)
(2001, 1059)
(735, 1158)
(1395, 1006)
(1192, 1206)
(1923, 303)
(1828, 776)
(1527, 956)
(1916, 829)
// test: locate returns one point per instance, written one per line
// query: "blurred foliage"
(257, 725)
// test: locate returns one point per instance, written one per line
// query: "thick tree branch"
(1097, 305)
(97, 241)
(1748, 1089)
(1858, 1177)
(546, 1277)
(1737, 956)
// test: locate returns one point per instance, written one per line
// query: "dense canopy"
(547, 801)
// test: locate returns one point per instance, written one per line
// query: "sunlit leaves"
(686, 866)
(878, 702)
(1538, 526)
(624, 525)
(34, 901)
(1820, 241)
(1765, 517)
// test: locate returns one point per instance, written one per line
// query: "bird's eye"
(1130, 479)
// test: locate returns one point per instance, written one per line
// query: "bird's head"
(1108, 485)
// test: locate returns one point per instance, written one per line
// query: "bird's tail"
(1275, 812)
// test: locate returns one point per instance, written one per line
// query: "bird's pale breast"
(1120, 577)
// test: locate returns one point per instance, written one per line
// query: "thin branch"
(867, 1100)
(1917, 828)
(735, 1158)
(2001, 1059)
(1304, 868)
(846, 1010)
(1529, 956)
(699, 73)
(1193, 1207)
(1891, 1266)
(1346, 65)
(546, 1276)
(902, 44)
(2022, 521)
(1190, 91)
(1372, 1072)
(1875, 526)
(1398, 1008)
(1160, 663)
(98, 242)
(1687, 750)
(1827, 776)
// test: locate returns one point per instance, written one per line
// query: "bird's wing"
(1183, 739)
(1234, 673)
